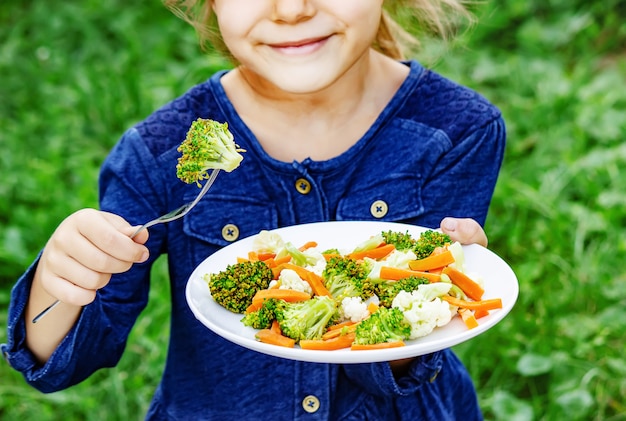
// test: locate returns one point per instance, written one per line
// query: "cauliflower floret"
(353, 309)
(320, 262)
(423, 312)
(267, 241)
(289, 279)
(397, 259)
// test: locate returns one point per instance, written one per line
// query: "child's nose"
(292, 11)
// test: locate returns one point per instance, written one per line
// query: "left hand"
(464, 230)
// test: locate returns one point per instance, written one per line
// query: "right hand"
(84, 251)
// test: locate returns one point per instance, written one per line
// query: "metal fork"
(168, 217)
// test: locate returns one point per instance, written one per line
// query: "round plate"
(499, 282)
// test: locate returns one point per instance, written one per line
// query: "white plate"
(500, 282)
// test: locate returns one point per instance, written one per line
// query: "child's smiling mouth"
(301, 47)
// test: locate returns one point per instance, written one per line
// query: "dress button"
(311, 404)
(303, 186)
(379, 209)
(230, 232)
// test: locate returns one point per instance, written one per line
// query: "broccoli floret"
(346, 277)
(306, 319)
(429, 241)
(298, 258)
(401, 240)
(208, 145)
(234, 287)
(263, 317)
(422, 246)
(384, 325)
(387, 291)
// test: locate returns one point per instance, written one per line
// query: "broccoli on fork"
(208, 145)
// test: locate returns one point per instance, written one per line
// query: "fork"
(168, 217)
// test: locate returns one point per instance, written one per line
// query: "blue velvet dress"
(434, 151)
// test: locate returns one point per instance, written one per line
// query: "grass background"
(75, 75)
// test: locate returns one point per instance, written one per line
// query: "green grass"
(75, 75)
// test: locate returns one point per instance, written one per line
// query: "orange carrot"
(340, 331)
(308, 245)
(315, 281)
(270, 337)
(289, 295)
(375, 253)
(328, 256)
(434, 261)
(468, 318)
(281, 260)
(470, 287)
(253, 256)
(266, 255)
(276, 327)
(383, 345)
(242, 259)
(481, 313)
(490, 304)
(341, 325)
(277, 269)
(338, 342)
(395, 274)
(372, 307)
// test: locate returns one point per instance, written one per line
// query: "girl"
(336, 127)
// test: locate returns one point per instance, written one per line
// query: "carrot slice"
(468, 318)
(276, 327)
(341, 325)
(490, 304)
(270, 337)
(470, 287)
(340, 331)
(395, 274)
(253, 256)
(481, 313)
(289, 295)
(339, 342)
(383, 345)
(315, 281)
(375, 253)
(372, 307)
(308, 245)
(282, 260)
(266, 255)
(434, 261)
(328, 256)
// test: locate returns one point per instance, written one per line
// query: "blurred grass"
(76, 75)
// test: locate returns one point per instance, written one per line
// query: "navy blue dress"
(434, 151)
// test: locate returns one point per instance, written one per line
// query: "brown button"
(311, 404)
(303, 186)
(379, 209)
(230, 232)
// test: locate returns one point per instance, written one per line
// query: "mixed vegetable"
(391, 288)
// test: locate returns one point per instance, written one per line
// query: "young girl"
(320, 98)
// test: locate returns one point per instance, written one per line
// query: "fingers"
(85, 250)
(464, 230)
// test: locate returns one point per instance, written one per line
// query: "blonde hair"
(438, 19)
